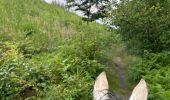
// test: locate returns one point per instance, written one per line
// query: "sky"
(59, 1)
(63, 2)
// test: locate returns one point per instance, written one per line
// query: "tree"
(88, 7)
(144, 24)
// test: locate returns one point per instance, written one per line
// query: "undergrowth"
(47, 52)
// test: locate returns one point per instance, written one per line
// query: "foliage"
(155, 69)
(92, 9)
(77, 70)
(144, 24)
(47, 52)
(19, 78)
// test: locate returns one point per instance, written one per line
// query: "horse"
(101, 90)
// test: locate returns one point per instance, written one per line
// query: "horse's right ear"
(140, 92)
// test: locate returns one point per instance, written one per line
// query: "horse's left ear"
(140, 92)
(101, 84)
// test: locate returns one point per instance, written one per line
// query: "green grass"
(48, 24)
(49, 51)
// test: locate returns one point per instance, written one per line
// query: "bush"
(143, 24)
(67, 73)
(47, 52)
(17, 75)
(77, 71)
(155, 69)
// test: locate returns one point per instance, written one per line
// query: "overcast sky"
(59, 1)
(64, 3)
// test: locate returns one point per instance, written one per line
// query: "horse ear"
(101, 84)
(140, 92)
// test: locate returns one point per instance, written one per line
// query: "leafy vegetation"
(154, 67)
(92, 9)
(144, 26)
(47, 52)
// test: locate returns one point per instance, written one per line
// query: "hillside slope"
(35, 17)
(47, 52)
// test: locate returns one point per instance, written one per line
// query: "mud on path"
(122, 77)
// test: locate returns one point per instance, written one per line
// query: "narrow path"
(122, 77)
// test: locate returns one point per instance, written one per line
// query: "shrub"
(143, 24)
(155, 68)
(19, 77)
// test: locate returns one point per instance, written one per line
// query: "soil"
(122, 77)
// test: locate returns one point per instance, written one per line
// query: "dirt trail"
(122, 77)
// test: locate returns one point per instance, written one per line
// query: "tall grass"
(47, 52)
